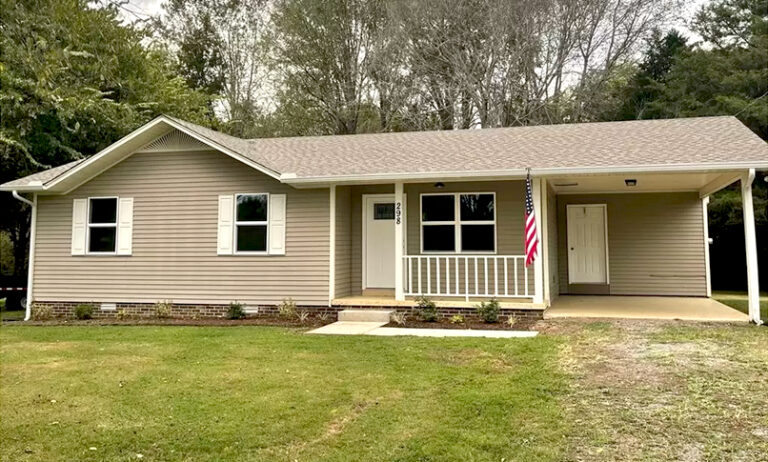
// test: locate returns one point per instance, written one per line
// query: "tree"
(219, 45)
(74, 79)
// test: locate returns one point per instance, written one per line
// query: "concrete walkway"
(374, 328)
(684, 308)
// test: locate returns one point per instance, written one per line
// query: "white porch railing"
(466, 276)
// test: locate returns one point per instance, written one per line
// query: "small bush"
(427, 309)
(302, 316)
(511, 321)
(121, 314)
(41, 312)
(399, 318)
(163, 309)
(324, 317)
(489, 311)
(457, 319)
(287, 309)
(236, 311)
(84, 311)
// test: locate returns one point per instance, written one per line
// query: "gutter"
(30, 270)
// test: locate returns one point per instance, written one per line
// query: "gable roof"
(691, 144)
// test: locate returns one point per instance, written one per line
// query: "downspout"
(31, 267)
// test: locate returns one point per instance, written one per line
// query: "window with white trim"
(102, 225)
(458, 223)
(251, 222)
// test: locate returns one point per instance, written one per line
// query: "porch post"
(538, 265)
(399, 233)
(332, 247)
(750, 240)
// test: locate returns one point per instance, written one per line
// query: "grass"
(738, 300)
(258, 393)
(608, 390)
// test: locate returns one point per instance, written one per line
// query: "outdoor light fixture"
(630, 182)
(439, 185)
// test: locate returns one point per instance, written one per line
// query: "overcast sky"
(144, 8)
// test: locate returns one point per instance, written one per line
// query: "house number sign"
(398, 212)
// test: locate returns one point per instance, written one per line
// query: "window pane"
(383, 211)
(252, 238)
(437, 208)
(103, 211)
(478, 238)
(476, 207)
(102, 239)
(252, 207)
(439, 238)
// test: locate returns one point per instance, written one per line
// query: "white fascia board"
(518, 173)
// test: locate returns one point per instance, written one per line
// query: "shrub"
(121, 314)
(236, 311)
(489, 311)
(302, 316)
(457, 319)
(511, 321)
(41, 312)
(163, 309)
(427, 309)
(84, 311)
(399, 318)
(287, 308)
(324, 317)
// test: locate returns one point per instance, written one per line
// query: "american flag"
(531, 237)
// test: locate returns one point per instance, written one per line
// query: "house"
(175, 211)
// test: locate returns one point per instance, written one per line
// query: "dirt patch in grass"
(665, 390)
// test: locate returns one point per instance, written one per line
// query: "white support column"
(545, 240)
(332, 247)
(399, 234)
(538, 265)
(705, 219)
(750, 239)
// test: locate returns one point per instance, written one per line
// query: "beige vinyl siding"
(509, 225)
(174, 238)
(343, 260)
(655, 243)
(552, 248)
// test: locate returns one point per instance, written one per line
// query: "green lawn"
(583, 390)
(257, 393)
(738, 300)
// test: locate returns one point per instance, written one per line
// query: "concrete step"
(365, 315)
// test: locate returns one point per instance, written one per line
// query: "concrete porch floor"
(637, 307)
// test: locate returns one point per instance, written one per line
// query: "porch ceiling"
(661, 182)
(633, 307)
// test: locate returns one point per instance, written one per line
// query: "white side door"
(379, 245)
(587, 252)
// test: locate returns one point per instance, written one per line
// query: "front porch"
(461, 242)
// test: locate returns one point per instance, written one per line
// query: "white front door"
(379, 242)
(587, 262)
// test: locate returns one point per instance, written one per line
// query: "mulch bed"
(520, 324)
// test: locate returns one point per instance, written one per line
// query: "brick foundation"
(198, 311)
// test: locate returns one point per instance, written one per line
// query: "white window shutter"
(277, 224)
(79, 217)
(226, 222)
(125, 226)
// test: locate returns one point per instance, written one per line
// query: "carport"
(636, 307)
